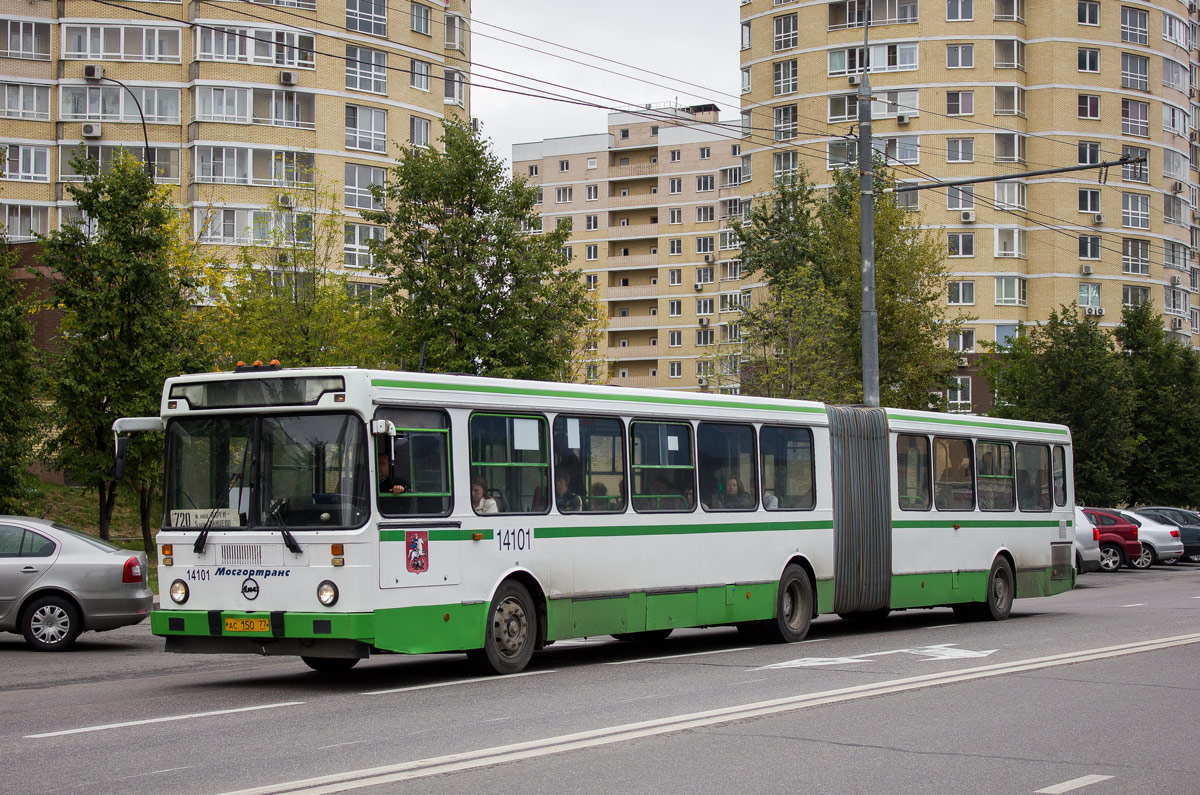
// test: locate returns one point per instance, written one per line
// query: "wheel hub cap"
(50, 624)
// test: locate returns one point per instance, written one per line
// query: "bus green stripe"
(438, 535)
(977, 423)
(665, 400)
(976, 523)
(609, 531)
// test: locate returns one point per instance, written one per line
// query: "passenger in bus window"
(482, 504)
(599, 500)
(567, 500)
(389, 483)
(770, 501)
(736, 497)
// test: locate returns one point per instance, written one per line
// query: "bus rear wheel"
(998, 599)
(330, 665)
(511, 631)
(793, 607)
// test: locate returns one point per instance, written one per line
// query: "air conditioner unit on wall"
(708, 258)
(968, 216)
(697, 286)
(703, 321)
(962, 361)
(1087, 270)
(288, 78)
(1176, 280)
(1098, 219)
(701, 381)
(902, 118)
(854, 80)
(91, 129)
(1177, 187)
(286, 200)
(93, 71)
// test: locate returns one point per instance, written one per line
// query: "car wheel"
(1111, 557)
(1144, 560)
(330, 665)
(51, 624)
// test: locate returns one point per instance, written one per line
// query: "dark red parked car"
(1119, 544)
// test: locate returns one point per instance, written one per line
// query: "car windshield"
(306, 470)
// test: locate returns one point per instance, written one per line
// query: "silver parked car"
(56, 582)
(1087, 544)
(1161, 543)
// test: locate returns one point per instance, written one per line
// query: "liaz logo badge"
(416, 546)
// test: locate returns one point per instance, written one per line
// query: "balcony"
(637, 381)
(633, 352)
(636, 291)
(633, 261)
(633, 230)
(639, 170)
(634, 200)
(634, 321)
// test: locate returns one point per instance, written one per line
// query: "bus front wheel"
(793, 607)
(511, 631)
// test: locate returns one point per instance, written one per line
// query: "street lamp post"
(95, 74)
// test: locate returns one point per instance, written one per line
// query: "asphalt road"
(1092, 692)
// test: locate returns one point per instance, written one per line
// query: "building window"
(745, 35)
(593, 192)
(1010, 148)
(591, 163)
(704, 336)
(785, 123)
(1089, 106)
(1010, 54)
(958, 397)
(960, 198)
(366, 70)
(1135, 71)
(591, 222)
(533, 171)
(674, 339)
(1089, 294)
(1135, 26)
(675, 246)
(1010, 291)
(960, 150)
(591, 253)
(1089, 153)
(1005, 334)
(1011, 10)
(1175, 30)
(1175, 119)
(1010, 100)
(367, 16)
(128, 43)
(787, 32)
(676, 155)
(564, 165)
(1175, 255)
(1134, 296)
(357, 248)
(959, 10)
(962, 341)
(1089, 12)
(418, 135)
(675, 369)
(23, 101)
(1089, 246)
(675, 185)
(1135, 256)
(1135, 172)
(419, 79)
(705, 152)
(359, 180)
(366, 128)
(705, 214)
(455, 88)
(1089, 200)
(704, 245)
(1135, 210)
(420, 18)
(1010, 243)
(1173, 209)
(675, 308)
(960, 56)
(29, 41)
(704, 275)
(1010, 196)
(962, 293)
(563, 195)
(706, 183)
(704, 306)
(785, 77)
(961, 244)
(25, 163)
(960, 103)
(1089, 59)
(675, 276)
(675, 215)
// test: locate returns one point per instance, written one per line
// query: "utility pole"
(866, 214)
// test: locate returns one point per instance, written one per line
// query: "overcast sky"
(689, 41)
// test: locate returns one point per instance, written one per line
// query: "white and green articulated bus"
(335, 513)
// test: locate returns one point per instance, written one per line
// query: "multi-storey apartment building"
(648, 202)
(983, 88)
(248, 106)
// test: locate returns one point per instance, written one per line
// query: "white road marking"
(451, 683)
(1074, 783)
(339, 745)
(1136, 604)
(486, 757)
(943, 626)
(678, 656)
(940, 651)
(164, 719)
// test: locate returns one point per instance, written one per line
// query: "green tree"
(471, 288)
(289, 298)
(805, 339)
(1069, 371)
(19, 398)
(1165, 380)
(125, 324)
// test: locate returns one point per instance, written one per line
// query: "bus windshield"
(298, 471)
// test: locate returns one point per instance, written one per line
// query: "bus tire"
(330, 665)
(511, 632)
(1001, 589)
(648, 636)
(793, 607)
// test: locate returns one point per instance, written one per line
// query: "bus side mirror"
(119, 463)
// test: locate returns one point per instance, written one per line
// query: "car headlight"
(327, 593)
(179, 592)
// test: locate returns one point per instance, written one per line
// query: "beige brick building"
(982, 88)
(242, 103)
(648, 200)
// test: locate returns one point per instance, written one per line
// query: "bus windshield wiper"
(236, 480)
(275, 512)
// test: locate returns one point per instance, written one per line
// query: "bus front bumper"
(265, 633)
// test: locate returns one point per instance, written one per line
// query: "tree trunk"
(108, 501)
(145, 504)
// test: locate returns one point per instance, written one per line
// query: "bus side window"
(912, 472)
(663, 467)
(1060, 475)
(1033, 477)
(589, 463)
(510, 453)
(994, 468)
(787, 469)
(421, 467)
(954, 476)
(726, 458)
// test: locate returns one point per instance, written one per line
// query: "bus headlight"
(327, 593)
(179, 592)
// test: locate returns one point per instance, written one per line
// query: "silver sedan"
(56, 582)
